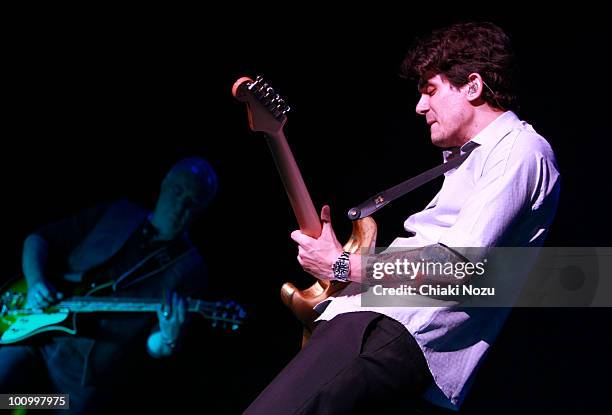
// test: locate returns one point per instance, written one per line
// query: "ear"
(474, 86)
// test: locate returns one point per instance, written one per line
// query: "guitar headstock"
(224, 314)
(266, 109)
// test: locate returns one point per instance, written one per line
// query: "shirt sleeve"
(64, 235)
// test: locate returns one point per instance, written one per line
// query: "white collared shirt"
(504, 194)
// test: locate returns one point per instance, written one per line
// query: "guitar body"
(16, 324)
(302, 302)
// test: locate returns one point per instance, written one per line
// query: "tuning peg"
(261, 88)
(282, 106)
(256, 85)
(258, 80)
(278, 101)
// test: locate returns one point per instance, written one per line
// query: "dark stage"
(99, 109)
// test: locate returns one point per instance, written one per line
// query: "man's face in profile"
(447, 111)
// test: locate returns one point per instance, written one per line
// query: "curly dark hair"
(462, 49)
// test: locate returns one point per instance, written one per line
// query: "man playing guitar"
(366, 359)
(117, 250)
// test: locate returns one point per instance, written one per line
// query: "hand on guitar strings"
(42, 294)
(317, 256)
(171, 315)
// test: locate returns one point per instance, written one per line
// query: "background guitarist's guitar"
(18, 323)
(267, 112)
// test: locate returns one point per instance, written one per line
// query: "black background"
(100, 103)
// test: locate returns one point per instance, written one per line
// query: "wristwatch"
(341, 267)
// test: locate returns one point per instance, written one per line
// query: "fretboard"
(300, 200)
(121, 304)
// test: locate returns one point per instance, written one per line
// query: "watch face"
(341, 268)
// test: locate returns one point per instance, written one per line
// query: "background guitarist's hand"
(317, 256)
(171, 318)
(42, 294)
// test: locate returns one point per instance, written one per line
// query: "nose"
(423, 105)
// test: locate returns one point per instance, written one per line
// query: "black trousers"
(361, 362)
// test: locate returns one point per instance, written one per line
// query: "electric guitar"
(267, 113)
(17, 322)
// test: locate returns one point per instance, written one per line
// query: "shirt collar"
(496, 130)
(488, 136)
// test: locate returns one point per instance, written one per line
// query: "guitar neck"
(302, 205)
(121, 304)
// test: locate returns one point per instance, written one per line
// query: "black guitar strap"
(381, 199)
